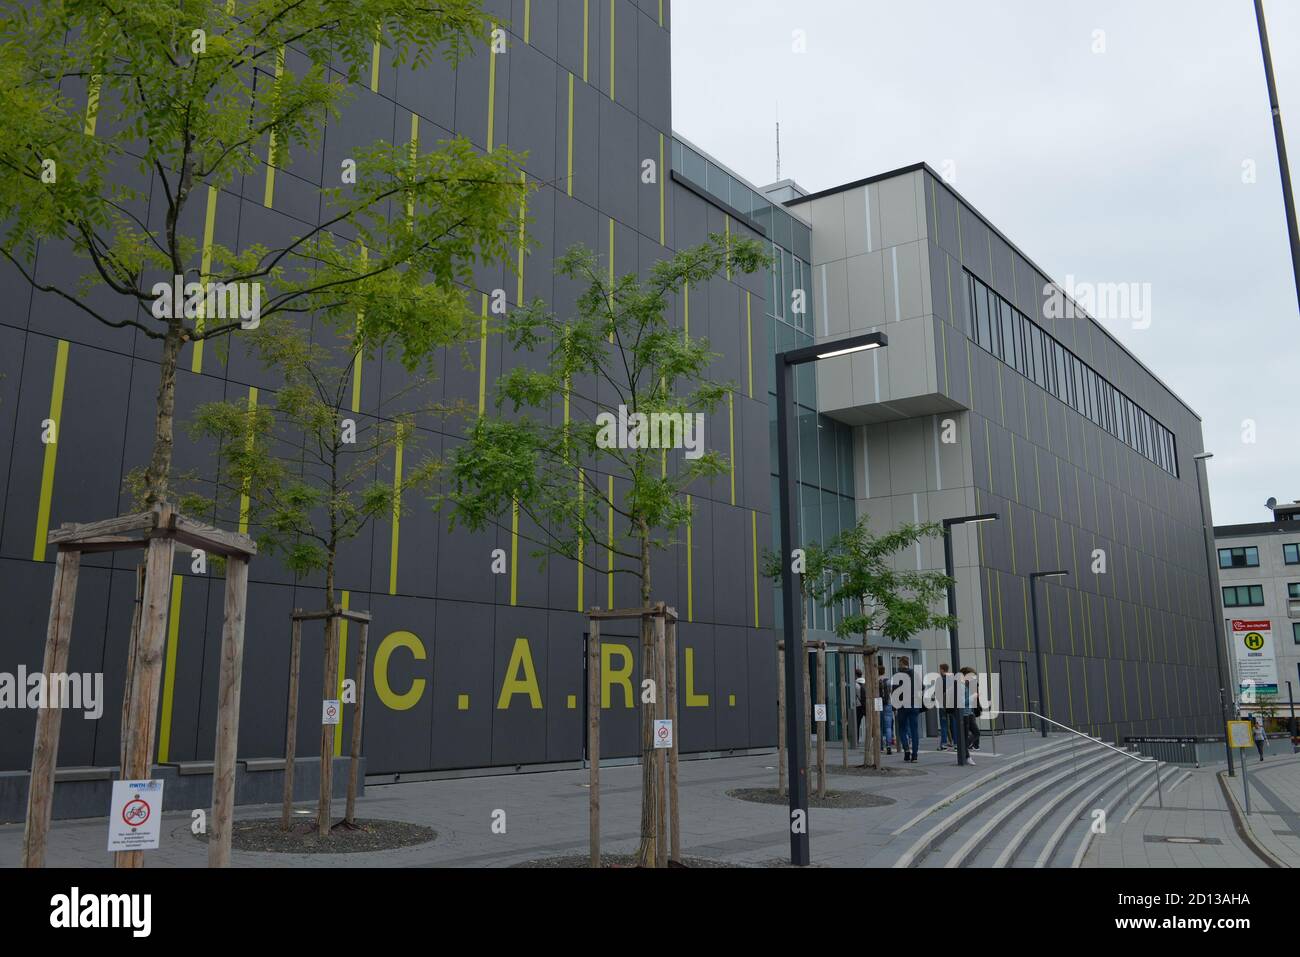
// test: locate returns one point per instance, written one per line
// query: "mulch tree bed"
(617, 861)
(833, 799)
(368, 835)
(882, 772)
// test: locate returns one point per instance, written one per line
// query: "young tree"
(306, 473)
(558, 468)
(192, 95)
(890, 601)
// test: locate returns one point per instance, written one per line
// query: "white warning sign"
(135, 818)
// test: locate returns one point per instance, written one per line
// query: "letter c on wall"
(410, 698)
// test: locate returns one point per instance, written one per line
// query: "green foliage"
(540, 451)
(891, 601)
(192, 95)
(290, 469)
(816, 580)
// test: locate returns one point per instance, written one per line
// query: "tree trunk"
(873, 716)
(648, 851)
(160, 461)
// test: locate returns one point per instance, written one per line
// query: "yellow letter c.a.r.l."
(411, 697)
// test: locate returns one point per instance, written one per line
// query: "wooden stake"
(661, 755)
(358, 716)
(291, 719)
(147, 677)
(330, 690)
(847, 706)
(871, 743)
(593, 735)
(809, 753)
(130, 662)
(670, 690)
(45, 750)
(647, 854)
(821, 725)
(780, 721)
(232, 666)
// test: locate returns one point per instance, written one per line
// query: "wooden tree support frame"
(330, 684)
(658, 660)
(820, 648)
(159, 533)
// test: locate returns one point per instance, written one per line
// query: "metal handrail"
(1065, 727)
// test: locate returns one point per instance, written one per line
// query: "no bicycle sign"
(135, 819)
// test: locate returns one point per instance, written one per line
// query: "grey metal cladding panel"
(570, 35)
(472, 78)
(467, 581)
(628, 24)
(586, 139)
(362, 121)
(531, 584)
(53, 315)
(648, 194)
(731, 672)
(18, 295)
(1002, 277)
(753, 455)
(460, 657)
(938, 279)
(654, 86)
(1012, 399)
(620, 722)
(974, 243)
(565, 675)
(191, 658)
(701, 569)
(418, 537)
(532, 110)
(544, 24)
(731, 571)
(518, 731)
(979, 449)
(943, 208)
(430, 91)
(726, 333)
(620, 167)
(760, 689)
(1028, 289)
(12, 343)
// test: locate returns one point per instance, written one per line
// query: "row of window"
(1248, 556)
(1244, 596)
(1009, 334)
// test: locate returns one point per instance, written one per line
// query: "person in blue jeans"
(909, 712)
(886, 712)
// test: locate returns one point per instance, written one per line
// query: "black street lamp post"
(1215, 599)
(796, 747)
(948, 523)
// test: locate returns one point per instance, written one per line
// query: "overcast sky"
(1119, 166)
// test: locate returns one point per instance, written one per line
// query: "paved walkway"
(546, 815)
(1193, 829)
(1274, 820)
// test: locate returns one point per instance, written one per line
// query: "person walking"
(947, 709)
(971, 708)
(1257, 723)
(861, 684)
(886, 711)
(908, 704)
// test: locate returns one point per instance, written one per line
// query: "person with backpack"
(905, 690)
(1257, 725)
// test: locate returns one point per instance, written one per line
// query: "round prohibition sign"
(663, 733)
(135, 812)
(1254, 641)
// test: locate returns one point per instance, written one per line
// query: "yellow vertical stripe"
(726, 221)
(514, 551)
(268, 194)
(414, 154)
(482, 359)
(569, 178)
(343, 665)
(523, 212)
(205, 268)
(397, 515)
(528, 21)
(749, 342)
(663, 225)
(753, 541)
(690, 566)
(492, 93)
(661, 12)
(582, 545)
(92, 104)
(169, 673)
(51, 451)
(611, 49)
(374, 61)
(731, 440)
(243, 498)
(611, 276)
(358, 359)
(609, 548)
(586, 31)
(686, 310)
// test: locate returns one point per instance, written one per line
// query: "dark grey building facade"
(468, 669)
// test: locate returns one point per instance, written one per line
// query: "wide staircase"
(1037, 806)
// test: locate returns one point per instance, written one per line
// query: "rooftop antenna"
(778, 143)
